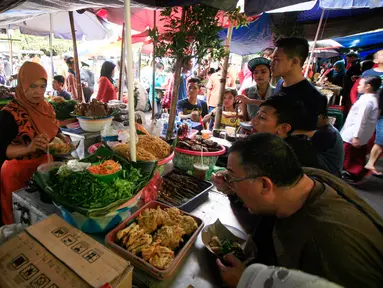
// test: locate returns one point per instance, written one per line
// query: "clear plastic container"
(200, 171)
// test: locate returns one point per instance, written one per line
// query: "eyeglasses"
(230, 179)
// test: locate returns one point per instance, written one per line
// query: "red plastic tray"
(138, 261)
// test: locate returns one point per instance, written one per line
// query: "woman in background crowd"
(106, 87)
(252, 97)
(230, 116)
(335, 76)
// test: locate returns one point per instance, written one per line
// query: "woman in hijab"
(106, 88)
(28, 124)
(337, 73)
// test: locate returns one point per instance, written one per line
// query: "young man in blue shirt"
(58, 87)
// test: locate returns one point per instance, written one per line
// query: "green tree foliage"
(197, 37)
(194, 33)
(38, 43)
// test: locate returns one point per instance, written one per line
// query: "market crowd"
(292, 168)
(313, 221)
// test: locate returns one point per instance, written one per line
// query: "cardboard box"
(52, 254)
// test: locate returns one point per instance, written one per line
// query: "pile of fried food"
(148, 148)
(198, 144)
(57, 99)
(59, 147)
(156, 235)
(93, 109)
(224, 247)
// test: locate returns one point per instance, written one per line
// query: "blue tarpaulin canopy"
(315, 13)
(258, 35)
(361, 40)
(251, 39)
(253, 7)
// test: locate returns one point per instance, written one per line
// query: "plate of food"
(327, 92)
(59, 148)
(156, 238)
(93, 110)
(221, 239)
(106, 171)
(148, 148)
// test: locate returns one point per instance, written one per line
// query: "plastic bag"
(113, 129)
(150, 191)
(9, 231)
(124, 136)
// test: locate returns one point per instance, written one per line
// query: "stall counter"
(198, 269)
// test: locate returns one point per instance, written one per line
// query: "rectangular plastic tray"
(199, 197)
(140, 263)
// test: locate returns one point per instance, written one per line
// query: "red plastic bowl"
(166, 160)
(198, 153)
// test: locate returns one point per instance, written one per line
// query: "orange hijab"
(42, 115)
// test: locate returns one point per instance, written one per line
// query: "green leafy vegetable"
(82, 189)
(228, 246)
(63, 109)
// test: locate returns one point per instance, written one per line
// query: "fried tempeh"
(134, 236)
(121, 234)
(145, 239)
(127, 236)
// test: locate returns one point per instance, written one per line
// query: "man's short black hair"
(69, 60)
(267, 155)
(374, 81)
(294, 47)
(195, 80)
(287, 110)
(60, 79)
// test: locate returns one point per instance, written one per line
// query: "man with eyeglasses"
(312, 221)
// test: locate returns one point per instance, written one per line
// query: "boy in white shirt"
(359, 128)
